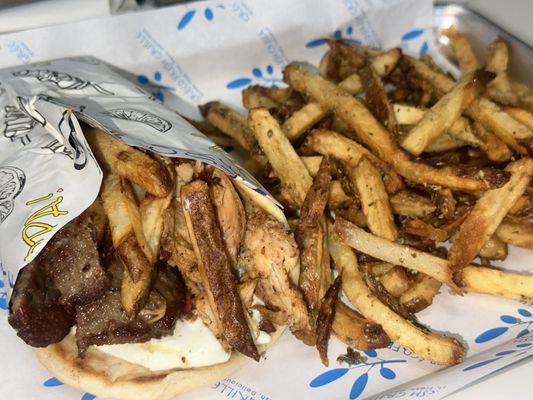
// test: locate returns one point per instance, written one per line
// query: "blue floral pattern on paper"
(414, 35)
(524, 320)
(208, 14)
(7, 280)
(361, 381)
(344, 34)
(153, 86)
(264, 77)
(519, 350)
(54, 382)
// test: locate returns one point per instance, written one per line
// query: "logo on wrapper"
(35, 226)
(12, 181)
(143, 117)
(364, 367)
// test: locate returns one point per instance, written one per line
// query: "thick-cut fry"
(482, 110)
(231, 122)
(215, 267)
(462, 49)
(302, 120)
(311, 236)
(412, 205)
(119, 158)
(325, 319)
(376, 98)
(370, 131)
(497, 61)
(393, 253)
(421, 293)
(356, 331)
(445, 112)
(493, 249)
(515, 232)
(437, 348)
(374, 199)
(487, 215)
(285, 162)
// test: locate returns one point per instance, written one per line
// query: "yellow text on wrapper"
(35, 227)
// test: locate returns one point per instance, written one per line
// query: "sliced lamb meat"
(105, 322)
(34, 309)
(72, 262)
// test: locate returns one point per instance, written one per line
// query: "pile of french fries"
(379, 159)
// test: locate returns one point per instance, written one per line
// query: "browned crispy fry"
(517, 233)
(420, 228)
(482, 110)
(371, 132)
(215, 267)
(374, 199)
(311, 234)
(434, 347)
(376, 98)
(445, 112)
(462, 49)
(337, 196)
(356, 331)
(324, 321)
(119, 158)
(254, 96)
(285, 162)
(231, 122)
(486, 215)
(99, 218)
(493, 249)
(412, 205)
(497, 61)
(421, 293)
(230, 213)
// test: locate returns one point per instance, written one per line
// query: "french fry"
(482, 110)
(515, 232)
(484, 218)
(215, 267)
(385, 62)
(396, 281)
(437, 348)
(370, 131)
(493, 249)
(311, 236)
(325, 319)
(521, 115)
(302, 120)
(420, 294)
(352, 84)
(376, 98)
(525, 95)
(230, 213)
(356, 331)
(286, 164)
(444, 143)
(494, 147)
(412, 205)
(445, 112)
(420, 228)
(254, 97)
(462, 49)
(337, 196)
(312, 164)
(374, 199)
(393, 253)
(500, 89)
(474, 279)
(119, 158)
(231, 122)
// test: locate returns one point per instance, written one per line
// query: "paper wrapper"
(190, 54)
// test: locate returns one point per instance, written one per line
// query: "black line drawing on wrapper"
(61, 79)
(12, 180)
(17, 124)
(144, 117)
